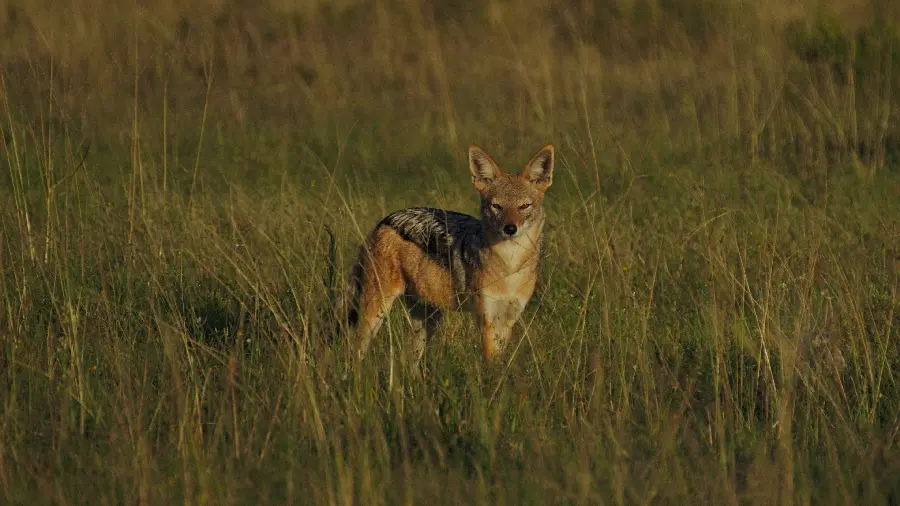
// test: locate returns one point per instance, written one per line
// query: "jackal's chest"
(510, 272)
(505, 291)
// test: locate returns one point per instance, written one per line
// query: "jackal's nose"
(510, 230)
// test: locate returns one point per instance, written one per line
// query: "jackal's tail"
(343, 303)
(352, 296)
(346, 309)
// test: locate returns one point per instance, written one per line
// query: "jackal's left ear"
(540, 169)
(484, 168)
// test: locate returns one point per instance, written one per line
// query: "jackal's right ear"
(484, 169)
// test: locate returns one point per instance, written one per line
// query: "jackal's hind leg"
(375, 301)
(425, 319)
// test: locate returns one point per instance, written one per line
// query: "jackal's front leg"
(496, 317)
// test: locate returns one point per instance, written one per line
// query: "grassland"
(184, 186)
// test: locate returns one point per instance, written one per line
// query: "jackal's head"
(511, 203)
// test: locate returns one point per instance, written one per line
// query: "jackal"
(436, 260)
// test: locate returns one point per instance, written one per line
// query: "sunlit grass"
(185, 188)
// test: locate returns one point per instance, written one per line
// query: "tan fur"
(498, 285)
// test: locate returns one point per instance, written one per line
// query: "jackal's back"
(452, 239)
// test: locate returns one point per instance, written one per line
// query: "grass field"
(184, 187)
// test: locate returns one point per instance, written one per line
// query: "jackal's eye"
(496, 207)
(525, 205)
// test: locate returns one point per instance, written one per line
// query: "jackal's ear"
(484, 169)
(540, 169)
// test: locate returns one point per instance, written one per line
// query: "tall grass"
(185, 187)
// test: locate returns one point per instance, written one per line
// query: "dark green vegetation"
(719, 315)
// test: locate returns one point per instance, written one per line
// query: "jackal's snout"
(511, 222)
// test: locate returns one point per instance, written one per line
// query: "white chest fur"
(515, 261)
(510, 269)
(509, 282)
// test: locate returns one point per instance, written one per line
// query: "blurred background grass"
(719, 310)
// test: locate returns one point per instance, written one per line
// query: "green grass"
(717, 320)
